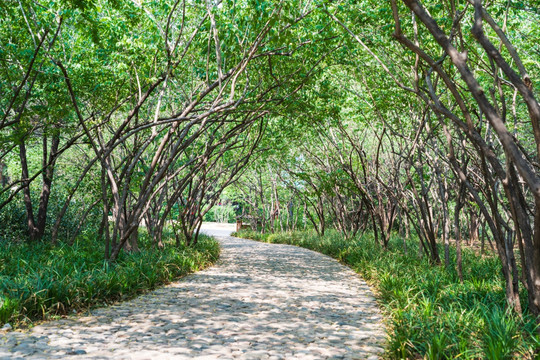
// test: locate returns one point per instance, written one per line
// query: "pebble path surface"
(260, 301)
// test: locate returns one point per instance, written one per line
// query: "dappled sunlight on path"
(260, 301)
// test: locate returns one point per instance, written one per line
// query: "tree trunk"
(27, 197)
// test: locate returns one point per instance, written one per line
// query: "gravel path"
(260, 301)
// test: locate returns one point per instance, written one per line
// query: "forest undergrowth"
(429, 313)
(40, 281)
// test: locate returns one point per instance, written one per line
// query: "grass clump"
(430, 314)
(40, 280)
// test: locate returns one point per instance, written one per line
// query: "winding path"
(260, 301)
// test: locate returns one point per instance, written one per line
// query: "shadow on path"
(260, 301)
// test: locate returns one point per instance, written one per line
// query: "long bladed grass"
(38, 281)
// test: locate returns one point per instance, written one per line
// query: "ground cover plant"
(38, 281)
(430, 313)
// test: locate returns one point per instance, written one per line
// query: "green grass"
(38, 281)
(429, 313)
